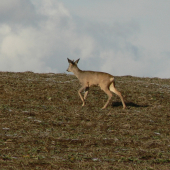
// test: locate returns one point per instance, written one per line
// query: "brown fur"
(90, 78)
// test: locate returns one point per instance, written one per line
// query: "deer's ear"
(69, 60)
(76, 61)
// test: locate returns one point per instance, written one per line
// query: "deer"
(90, 78)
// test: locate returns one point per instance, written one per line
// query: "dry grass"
(43, 125)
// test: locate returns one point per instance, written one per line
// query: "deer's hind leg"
(114, 90)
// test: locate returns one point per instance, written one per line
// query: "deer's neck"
(77, 72)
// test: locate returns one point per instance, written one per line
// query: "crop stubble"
(43, 125)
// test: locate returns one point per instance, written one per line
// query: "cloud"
(133, 34)
(45, 46)
(119, 38)
(17, 12)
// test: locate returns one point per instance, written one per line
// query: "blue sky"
(116, 36)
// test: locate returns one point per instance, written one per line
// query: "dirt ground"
(44, 126)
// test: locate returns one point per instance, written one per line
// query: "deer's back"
(94, 78)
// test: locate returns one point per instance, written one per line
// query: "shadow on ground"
(131, 104)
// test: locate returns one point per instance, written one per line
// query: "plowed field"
(44, 126)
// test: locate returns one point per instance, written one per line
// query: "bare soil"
(44, 126)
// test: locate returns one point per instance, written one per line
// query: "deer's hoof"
(124, 107)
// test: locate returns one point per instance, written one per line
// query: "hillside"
(43, 125)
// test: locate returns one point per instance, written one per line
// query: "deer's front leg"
(86, 92)
(79, 92)
(107, 91)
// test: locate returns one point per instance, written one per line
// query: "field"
(44, 126)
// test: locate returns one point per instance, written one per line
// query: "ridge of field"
(44, 126)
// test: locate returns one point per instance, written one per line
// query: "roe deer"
(89, 78)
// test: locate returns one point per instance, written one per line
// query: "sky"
(116, 36)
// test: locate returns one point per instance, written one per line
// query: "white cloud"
(4, 30)
(119, 37)
(134, 35)
(39, 48)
